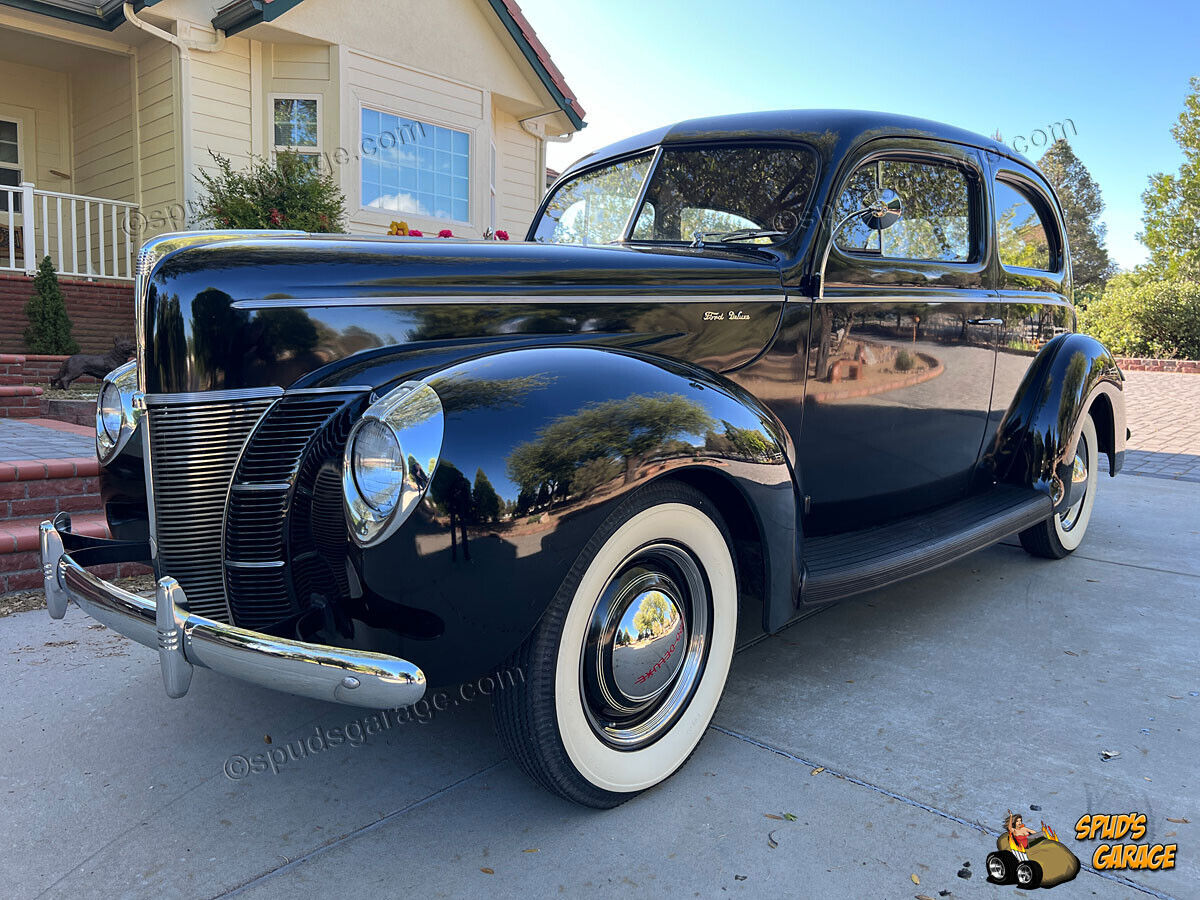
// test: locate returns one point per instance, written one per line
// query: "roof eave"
(565, 103)
(106, 23)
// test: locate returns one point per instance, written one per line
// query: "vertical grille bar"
(195, 444)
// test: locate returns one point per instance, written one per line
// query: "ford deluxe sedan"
(740, 367)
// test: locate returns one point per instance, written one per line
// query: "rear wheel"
(1063, 532)
(624, 671)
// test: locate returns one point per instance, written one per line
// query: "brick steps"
(32, 490)
(21, 562)
(20, 401)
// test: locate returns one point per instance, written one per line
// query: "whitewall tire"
(625, 670)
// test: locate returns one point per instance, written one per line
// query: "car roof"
(833, 131)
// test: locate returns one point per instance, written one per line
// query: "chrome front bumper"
(184, 640)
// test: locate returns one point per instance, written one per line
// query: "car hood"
(225, 312)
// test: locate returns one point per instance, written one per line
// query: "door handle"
(985, 321)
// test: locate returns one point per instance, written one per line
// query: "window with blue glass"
(413, 167)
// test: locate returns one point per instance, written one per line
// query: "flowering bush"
(501, 234)
(445, 232)
(288, 191)
(415, 232)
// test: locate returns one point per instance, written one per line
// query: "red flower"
(445, 232)
(414, 232)
(276, 217)
(501, 234)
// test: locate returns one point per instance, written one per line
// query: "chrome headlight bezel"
(124, 380)
(412, 413)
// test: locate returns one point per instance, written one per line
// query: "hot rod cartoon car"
(739, 367)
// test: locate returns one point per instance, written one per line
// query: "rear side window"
(936, 224)
(1022, 233)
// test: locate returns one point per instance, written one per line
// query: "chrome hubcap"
(645, 648)
(1024, 875)
(995, 868)
(1079, 475)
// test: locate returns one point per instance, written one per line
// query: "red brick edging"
(1182, 366)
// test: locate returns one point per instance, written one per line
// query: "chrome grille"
(262, 559)
(195, 444)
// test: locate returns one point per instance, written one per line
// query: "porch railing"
(85, 237)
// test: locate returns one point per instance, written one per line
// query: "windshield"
(734, 191)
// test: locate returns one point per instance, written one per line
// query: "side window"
(1022, 235)
(595, 207)
(936, 224)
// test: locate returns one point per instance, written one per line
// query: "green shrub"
(49, 328)
(1137, 316)
(904, 361)
(289, 191)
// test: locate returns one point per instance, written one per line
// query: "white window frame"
(492, 187)
(306, 151)
(18, 167)
(361, 153)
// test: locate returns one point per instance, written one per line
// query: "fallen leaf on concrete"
(1171, 834)
(1035, 807)
(1180, 821)
(964, 873)
(1109, 754)
(1070, 653)
(791, 817)
(266, 739)
(773, 816)
(915, 879)
(818, 770)
(1173, 697)
(923, 897)
(530, 850)
(771, 842)
(740, 877)
(487, 871)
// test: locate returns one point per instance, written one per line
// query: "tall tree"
(1082, 205)
(1172, 202)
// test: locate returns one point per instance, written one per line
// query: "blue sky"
(1118, 71)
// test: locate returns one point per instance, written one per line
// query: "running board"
(840, 565)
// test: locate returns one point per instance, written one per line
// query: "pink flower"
(415, 232)
(276, 217)
(445, 232)
(501, 234)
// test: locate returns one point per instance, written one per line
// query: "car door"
(900, 356)
(1032, 278)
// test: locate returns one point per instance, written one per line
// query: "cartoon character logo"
(1030, 858)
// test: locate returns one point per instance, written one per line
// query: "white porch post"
(29, 224)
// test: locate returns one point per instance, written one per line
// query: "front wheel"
(1063, 532)
(625, 669)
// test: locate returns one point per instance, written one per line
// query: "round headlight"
(378, 465)
(111, 411)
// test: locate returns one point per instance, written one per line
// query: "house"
(435, 113)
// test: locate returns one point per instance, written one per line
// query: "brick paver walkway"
(1163, 411)
(44, 439)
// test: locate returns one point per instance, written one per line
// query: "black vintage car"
(739, 367)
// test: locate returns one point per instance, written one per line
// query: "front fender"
(538, 447)
(1074, 374)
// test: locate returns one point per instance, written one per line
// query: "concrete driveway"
(933, 707)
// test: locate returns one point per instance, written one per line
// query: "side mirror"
(882, 208)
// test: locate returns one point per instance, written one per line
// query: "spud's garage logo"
(1120, 849)
(1030, 858)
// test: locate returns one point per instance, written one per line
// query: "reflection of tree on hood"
(630, 429)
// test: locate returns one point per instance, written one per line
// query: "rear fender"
(1072, 376)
